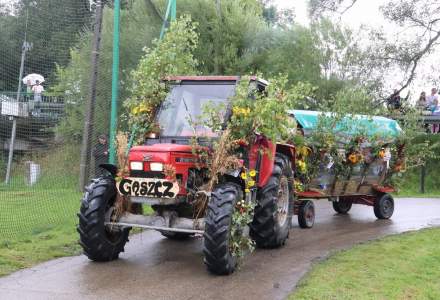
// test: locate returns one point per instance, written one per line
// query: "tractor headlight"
(156, 166)
(136, 165)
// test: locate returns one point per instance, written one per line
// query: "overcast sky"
(367, 12)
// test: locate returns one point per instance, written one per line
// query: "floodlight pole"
(115, 82)
(26, 46)
(86, 146)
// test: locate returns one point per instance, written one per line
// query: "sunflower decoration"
(381, 153)
(249, 179)
(355, 158)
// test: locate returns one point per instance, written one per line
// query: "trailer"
(365, 183)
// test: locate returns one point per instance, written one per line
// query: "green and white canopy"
(351, 125)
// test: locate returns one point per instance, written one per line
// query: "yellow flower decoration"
(354, 158)
(251, 183)
(135, 110)
(241, 111)
(303, 151)
(243, 175)
(247, 190)
(302, 166)
(298, 186)
(252, 173)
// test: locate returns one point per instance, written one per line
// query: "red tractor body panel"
(178, 156)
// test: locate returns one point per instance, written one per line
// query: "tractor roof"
(213, 78)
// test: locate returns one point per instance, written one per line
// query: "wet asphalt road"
(153, 267)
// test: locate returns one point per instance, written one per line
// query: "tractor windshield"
(183, 107)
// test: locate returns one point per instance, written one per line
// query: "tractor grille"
(146, 174)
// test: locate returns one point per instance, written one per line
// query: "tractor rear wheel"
(100, 242)
(218, 221)
(341, 206)
(273, 213)
(384, 206)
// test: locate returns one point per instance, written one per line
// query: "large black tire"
(341, 206)
(271, 223)
(97, 240)
(218, 220)
(384, 206)
(306, 214)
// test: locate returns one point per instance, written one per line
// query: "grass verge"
(37, 225)
(403, 266)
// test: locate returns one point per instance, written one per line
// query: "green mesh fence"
(41, 193)
(54, 39)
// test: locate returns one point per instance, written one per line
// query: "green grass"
(36, 225)
(405, 266)
(410, 183)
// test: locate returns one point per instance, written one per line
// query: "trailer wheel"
(99, 242)
(273, 213)
(218, 219)
(306, 214)
(384, 206)
(341, 206)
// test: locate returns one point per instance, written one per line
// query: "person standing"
(434, 108)
(422, 103)
(28, 88)
(38, 89)
(100, 153)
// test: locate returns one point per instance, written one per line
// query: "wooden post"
(422, 179)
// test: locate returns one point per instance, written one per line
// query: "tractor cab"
(179, 114)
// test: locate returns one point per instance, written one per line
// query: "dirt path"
(156, 268)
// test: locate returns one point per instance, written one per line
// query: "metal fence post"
(115, 83)
(86, 146)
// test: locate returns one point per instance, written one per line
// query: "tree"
(52, 26)
(409, 49)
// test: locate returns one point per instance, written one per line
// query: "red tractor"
(104, 230)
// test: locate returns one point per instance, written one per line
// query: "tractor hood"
(161, 153)
(162, 148)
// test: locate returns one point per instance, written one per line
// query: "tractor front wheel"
(99, 241)
(218, 224)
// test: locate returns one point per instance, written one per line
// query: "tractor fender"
(111, 168)
(289, 151)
